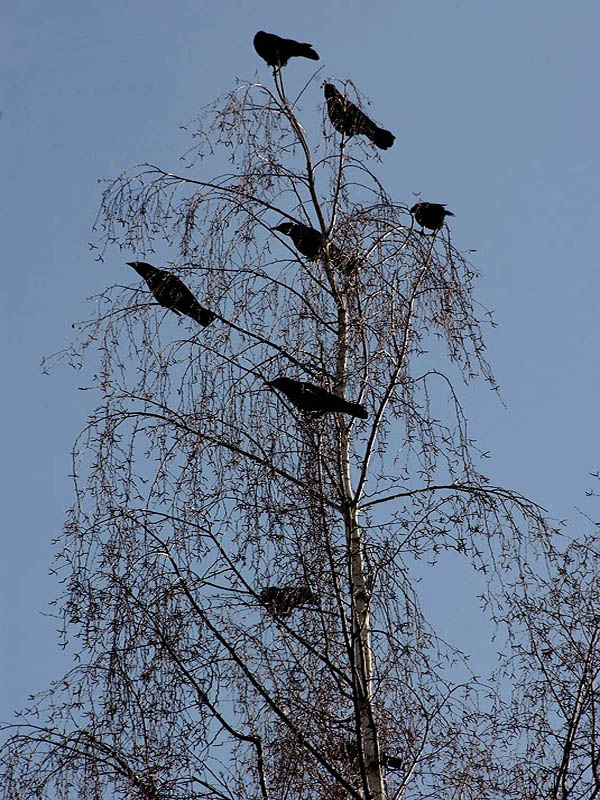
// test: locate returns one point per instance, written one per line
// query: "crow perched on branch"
(349, 119)
(348, 750)
(308, 397)
(172, 293)
(430, 215)
(277, 51)
(311, 244)
(282, 600)
(392, 762)
(307, 241)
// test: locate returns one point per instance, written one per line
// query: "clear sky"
(495, 109)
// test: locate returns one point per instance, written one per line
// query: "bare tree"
(552, 663)
(237, 565)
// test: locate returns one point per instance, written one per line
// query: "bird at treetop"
(311, 244)
(430, 215)
(172, 293)
(277, 51)
(349, 119)
(308, 397)
(282, 600)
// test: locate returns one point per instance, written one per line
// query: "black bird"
(277, 51)
(347, 750)
(392, 762)
(307, 241)
(169, 291)
(282, 600)
(430, 215)
(311, 243)
(308, 397)
(349, 119)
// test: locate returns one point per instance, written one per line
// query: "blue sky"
(494, 106)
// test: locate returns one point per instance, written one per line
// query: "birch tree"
(238, 567)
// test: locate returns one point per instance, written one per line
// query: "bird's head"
(142, 268)
(330, 91)
(279, 383)
(285, 228)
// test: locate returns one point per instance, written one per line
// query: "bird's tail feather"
(306, 50)
(357, 410)
(202, 316)
(382, 138)
(306, 596)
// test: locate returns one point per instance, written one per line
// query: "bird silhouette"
(277, 51)
(172, 293)
(348, 750)
(430, 215)
(307, 241)
(311, 244)
(316, 400)
(392, 762)
(282, 600)
(347, 118)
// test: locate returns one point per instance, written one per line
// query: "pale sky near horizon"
(495, 111)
